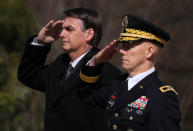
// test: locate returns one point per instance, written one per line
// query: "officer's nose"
(122, 51)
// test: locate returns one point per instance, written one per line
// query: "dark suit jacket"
(148, 106)
(64, 111)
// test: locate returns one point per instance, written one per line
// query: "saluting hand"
(105, 54)
(50, 32)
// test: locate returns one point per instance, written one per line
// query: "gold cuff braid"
(88, 79)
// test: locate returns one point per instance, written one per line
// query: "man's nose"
(122, 52)
(62, 34)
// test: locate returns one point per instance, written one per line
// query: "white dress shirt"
(132, 81)
(75, 62)
(35, 43)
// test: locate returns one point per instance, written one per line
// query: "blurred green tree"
(16, 103)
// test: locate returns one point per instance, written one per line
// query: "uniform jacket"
(63, 109)
(148, 106)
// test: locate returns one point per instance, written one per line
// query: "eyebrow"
(67, 26)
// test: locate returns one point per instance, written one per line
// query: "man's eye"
(126, 46)
(68, 28)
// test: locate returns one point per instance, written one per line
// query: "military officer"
(138, 100)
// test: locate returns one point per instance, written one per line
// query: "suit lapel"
(75, 73)
(72, 81)
(56, 71)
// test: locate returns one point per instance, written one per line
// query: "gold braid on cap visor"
(132, 34)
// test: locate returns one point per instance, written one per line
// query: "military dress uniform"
(150, 105)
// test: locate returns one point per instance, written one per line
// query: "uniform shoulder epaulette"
(167, 88)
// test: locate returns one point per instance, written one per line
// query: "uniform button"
(115, 127)
(130, 118)
(116, 114)
(141, 87)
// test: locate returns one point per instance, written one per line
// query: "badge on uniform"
(111, 102)
(139, 103)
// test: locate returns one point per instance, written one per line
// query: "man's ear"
(89, 34)
(149, 52)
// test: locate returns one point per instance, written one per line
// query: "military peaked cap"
(136, 29)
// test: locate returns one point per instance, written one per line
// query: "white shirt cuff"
(35, 43)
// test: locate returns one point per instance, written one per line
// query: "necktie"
(66, 74)
(68, 71)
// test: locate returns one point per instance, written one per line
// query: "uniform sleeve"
(164, 113)
(32, 71)
(91, 74)
(109, 74)
(96, 83)
(104, 74)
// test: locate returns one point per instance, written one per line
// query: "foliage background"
(21, 109)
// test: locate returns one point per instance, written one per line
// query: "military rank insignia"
(167, 88)
(139, 103)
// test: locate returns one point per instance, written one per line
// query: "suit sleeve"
(32, 71)
(164, 113)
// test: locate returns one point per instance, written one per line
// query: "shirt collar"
(75, 62)
(132, 81)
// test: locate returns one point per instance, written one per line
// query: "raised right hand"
(50, 32)
(105, 54)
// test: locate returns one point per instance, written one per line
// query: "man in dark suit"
(80, 35)
(137, 100)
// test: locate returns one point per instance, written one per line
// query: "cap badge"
(125, 22)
